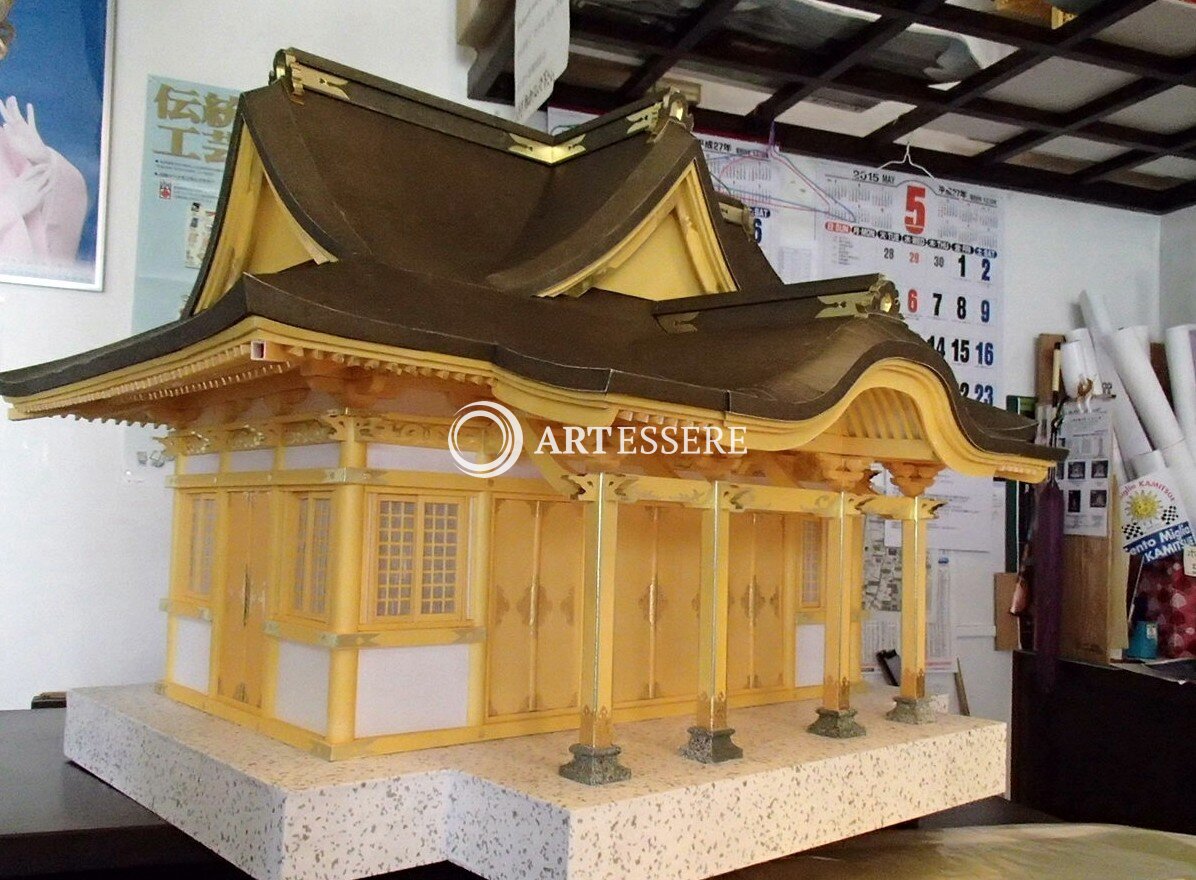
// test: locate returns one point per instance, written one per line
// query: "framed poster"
(55, 92)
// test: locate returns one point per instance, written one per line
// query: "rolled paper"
(1091, 367)
(1182, 369)
(1096, 315)
(1183, 474)
(1148, 463)
(1131, 438)
(1071, 365)
(1143, 334)
(1133, 366)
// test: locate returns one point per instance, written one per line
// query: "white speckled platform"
(500, 809)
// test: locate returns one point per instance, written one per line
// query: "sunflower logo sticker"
(1144, 506)
(1153, 521)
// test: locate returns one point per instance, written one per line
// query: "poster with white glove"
(55, 94)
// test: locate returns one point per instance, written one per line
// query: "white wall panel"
(405, 689)
(321, 455)
(811, 654)
(302, 693)
(192, 653)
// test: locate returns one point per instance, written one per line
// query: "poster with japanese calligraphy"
(187, 131)
(942, 245)
(55, 86)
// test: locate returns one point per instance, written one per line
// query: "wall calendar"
(942, 245)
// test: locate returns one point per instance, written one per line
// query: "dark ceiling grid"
(854, 50)
(697, 26)
(1026, 35)
(844, 66)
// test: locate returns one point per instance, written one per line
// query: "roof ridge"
(875, 292)
(301, 71)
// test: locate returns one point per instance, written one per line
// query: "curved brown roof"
(397, 177)
(442, 235)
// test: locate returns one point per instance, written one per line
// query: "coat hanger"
(908, 160)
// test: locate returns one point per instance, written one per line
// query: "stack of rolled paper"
(1150, 434)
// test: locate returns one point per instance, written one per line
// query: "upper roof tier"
(374, 171)
(597, 265)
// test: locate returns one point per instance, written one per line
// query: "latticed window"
(202, 544)
(419, 557)
(395, 555)
(811, 562)
(309, 593)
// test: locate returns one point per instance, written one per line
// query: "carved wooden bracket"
(843, 473)
(912, 478)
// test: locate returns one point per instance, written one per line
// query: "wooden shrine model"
(381, 258)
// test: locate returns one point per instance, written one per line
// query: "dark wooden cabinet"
(1106, 744)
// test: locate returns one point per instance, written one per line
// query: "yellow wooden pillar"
(710, 737)
(913, 604)
(276, 600)
(219, 585)
(855, 586)
(344, 599)
(912, 706)
(836, 718)
(595, 756)
(479, 597)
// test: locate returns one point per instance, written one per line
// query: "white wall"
(83, 552)
(1177, 272)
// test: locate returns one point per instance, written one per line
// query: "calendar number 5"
(915, 209)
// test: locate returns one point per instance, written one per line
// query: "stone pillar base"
(591, 766)
(912, 710)
(711, 746)
(837, 724)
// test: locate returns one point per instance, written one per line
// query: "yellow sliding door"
(760, 590)
(533, 639)
(657, 569)
(243, 612)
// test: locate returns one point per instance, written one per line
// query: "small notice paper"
(541, 51)
(1154, 523)
(1084, 477)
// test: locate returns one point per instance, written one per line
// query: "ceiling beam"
(797, 69)
(1093, 111)
(697, 25)
(1124, 162)
(1025, 35)
(848, 54)
(844, 65)
(1080, 28)
(1182, 196)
